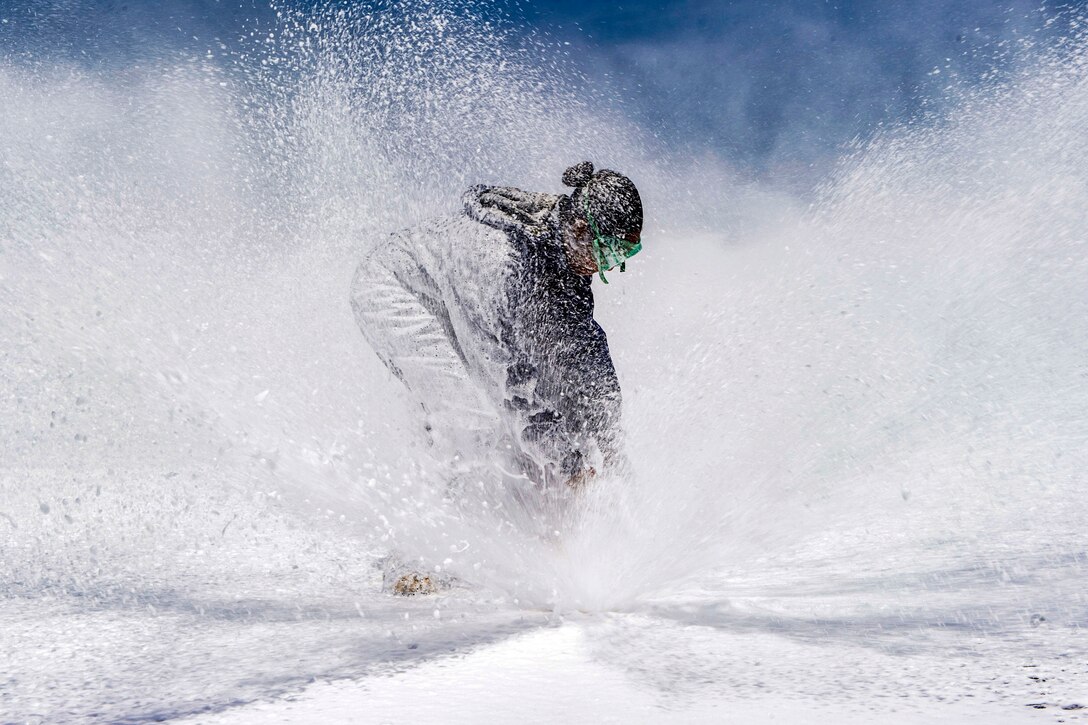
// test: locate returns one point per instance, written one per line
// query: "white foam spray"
(178, 240)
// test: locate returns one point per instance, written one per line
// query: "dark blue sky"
(768, 85)
(772, 84)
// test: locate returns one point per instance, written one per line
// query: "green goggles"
(610, 252)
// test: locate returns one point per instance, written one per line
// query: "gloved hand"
(582, 478)
(531, 209)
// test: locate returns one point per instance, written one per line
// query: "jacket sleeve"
(593, 417)
(569, 403)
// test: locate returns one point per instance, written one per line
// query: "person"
(487, 320)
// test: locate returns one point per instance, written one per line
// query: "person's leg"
(418, 346)
(412, 341)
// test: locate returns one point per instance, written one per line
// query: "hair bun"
(578, 175)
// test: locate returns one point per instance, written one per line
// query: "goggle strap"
(596, 242)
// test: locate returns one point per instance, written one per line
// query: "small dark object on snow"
(412, 584)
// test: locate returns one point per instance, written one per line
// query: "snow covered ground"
(858, 626)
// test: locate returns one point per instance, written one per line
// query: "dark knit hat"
(612, 199)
